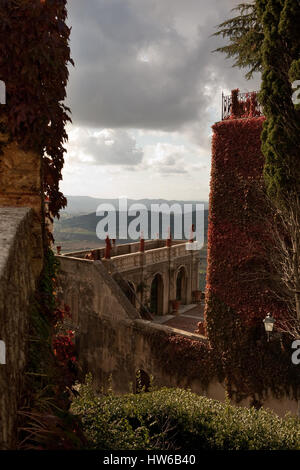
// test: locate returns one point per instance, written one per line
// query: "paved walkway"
(187, 320)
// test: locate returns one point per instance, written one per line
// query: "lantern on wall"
(269, 324)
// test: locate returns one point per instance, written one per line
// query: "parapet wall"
(114, 351)
(87, 288)
(111, 339)
(19, 271)
(113, 343)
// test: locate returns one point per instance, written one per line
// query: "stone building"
(153, 274)
(113, 292)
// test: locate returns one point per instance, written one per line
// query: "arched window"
(181, 285)
(157, 295)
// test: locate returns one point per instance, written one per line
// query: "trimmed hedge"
(174, 419)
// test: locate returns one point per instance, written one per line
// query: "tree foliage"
(245, 35)
(280, 62)
(264, 37)
(178, 420)
(34, 55)
(277, 55)
(245, 283)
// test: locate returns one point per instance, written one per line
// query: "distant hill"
(83, 227)
(76, 230)
(79, 205)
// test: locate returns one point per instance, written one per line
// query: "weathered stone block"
(20, 266)
(20, 177)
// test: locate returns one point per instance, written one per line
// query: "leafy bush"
(44, 418)
(169, 419)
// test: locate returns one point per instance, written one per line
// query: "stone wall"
(114, 351)
(113, 343)
(111, 339)
(167, 267)
(124, 249)
(20, 186)
(20, 176)
(88, 289)
(20, 266)
(139, 269)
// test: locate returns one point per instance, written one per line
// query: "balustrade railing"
(125, 261)
(134, 260)
(241, 105)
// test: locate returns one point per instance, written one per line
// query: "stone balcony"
(151, 256)
(128, 256)
(151, 274)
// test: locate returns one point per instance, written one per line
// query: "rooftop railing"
(241, 105)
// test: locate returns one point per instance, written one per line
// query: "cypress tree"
(277, 56)
(245, 35)
(280, 20)
(265, 37)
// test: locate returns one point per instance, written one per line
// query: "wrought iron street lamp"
(269, 324)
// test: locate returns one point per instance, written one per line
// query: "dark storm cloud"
(145, 63)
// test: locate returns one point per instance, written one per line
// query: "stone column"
(20, 186)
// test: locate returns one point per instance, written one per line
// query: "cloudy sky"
(144, 94)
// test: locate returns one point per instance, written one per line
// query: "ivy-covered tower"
(238, 295)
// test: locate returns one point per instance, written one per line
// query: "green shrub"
(169, 419)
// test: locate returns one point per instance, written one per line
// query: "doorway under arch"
(157, 295)
(181, 285)
(142, 381)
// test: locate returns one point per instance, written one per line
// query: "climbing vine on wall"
(176, 354)
(34, 58)
(44, 420)
(244, 108)
(238, 299)
(52, 356)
